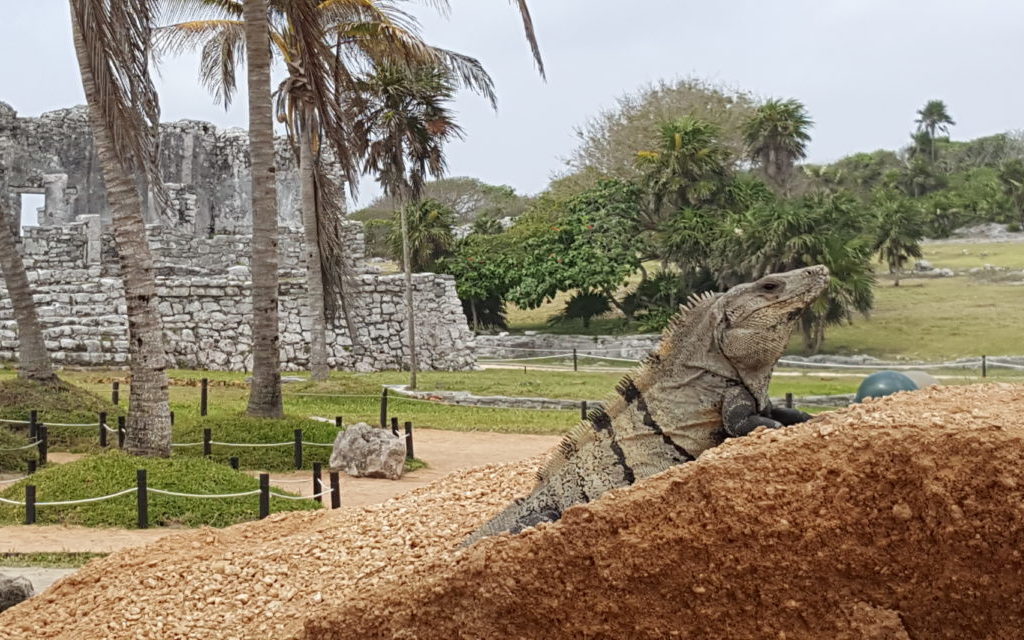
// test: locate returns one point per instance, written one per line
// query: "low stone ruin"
(201, 250)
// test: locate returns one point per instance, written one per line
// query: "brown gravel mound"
(897, 519)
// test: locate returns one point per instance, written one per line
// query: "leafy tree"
(609, 142)
(776, 137)
(429, 232)
(469, 198)
(898, 229)
(1011, 176)
(485, 269)
(487, 225)
(932, 118)
(377, 234)
(583, 306)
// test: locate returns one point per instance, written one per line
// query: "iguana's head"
(757, 318)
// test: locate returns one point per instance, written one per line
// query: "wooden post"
(207, 442)
(335, 490)
(142, 498)
(408, 441)
(384, 408)
(120, 432)
(44, 443)
(394, 426)
(172, 418)
(30, 504)
(789, 400)
(318, 482)
(338, 422)
(583, 410)
(298, 448)
(233, 461)
(203, 395)
(33, 426)
(115, 392)
(103, 429)
(264, 495)
(984, 366)
(32, 465)
(575, 361)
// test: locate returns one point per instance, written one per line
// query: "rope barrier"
(317, 495)
(8, 481)
(204, 495)
(58, 424)
(882, 365)
(27, 446)
(556, 355)
(317, 444)
(14, 502)
(14, 421)
(253, 444)
(291, 481)
(59, 503)
(186, 444)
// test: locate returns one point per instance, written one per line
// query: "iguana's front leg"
(739, 413)
(788, 416)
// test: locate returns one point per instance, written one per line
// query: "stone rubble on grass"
(363, 451)
(14, 589)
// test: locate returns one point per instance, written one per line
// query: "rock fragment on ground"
(14, 590)
(363, 451)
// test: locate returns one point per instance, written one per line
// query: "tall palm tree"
(265, 392)
(112, 41)
(931, 118)
(320, 42)
(776, 137)
(899, 228)
(404, 121)
(33, 359)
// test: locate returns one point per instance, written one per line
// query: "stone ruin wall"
(201, 253)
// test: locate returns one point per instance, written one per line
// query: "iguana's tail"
(539, 506)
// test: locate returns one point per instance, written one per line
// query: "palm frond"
(531, 34)
(338, 273)
(116, 39)
(173, 11)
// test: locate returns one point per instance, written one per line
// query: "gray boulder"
(363, 451)
(14, 589)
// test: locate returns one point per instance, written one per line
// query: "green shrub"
(243, 429)
(108, 473)
(14, 461)
(62, 403)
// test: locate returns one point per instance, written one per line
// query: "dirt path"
(444, 451)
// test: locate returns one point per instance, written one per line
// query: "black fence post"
(575, 361)
(583, 409)
(264, 495)
(172, 418)
(204, 385)
(384, 408)
(44, 443)
(298, 448)
(337, 421)
(335, 490)
(984, 366)
(103, 429)
(33, 425)
(207, 442)
(121, 432)
(408, 441)
(30, 504)
(789, 400)
(394, 426)
(142, 498)
(115, 393)
(318, 482)
(234, 462)
(32, 466)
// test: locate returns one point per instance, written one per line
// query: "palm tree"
(1011, 176)
(688, 169)
(776, 137)
(320, 43)
(265, 392)
(931, 118)
(403, 121)
(112, 41)
(33, 359)
(430, 233)
(899, 228)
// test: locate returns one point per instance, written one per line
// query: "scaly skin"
(706, 382)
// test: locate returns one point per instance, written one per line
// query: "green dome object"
(922, 379)
(884, 383)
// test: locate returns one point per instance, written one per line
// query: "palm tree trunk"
(314, 274)
(265, 393)
(476, 319)
(410, 315)
(33, 359)
(149, 418)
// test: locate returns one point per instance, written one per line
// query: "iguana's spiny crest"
(708, 380)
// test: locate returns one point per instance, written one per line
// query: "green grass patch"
(55, 560)
(65, 403)
(111, 472)
(965, 255)
(414, 464)
(13, 456)
(241, 429)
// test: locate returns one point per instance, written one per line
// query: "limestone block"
(367, 452)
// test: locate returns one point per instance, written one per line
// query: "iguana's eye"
(769, 286)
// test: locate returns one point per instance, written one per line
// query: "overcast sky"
(862, 67)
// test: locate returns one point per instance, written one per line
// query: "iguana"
(707, 381)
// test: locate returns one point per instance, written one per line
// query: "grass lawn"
(54, 560)
(108, 473)
(960, 256)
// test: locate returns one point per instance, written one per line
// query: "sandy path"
(444, 451)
